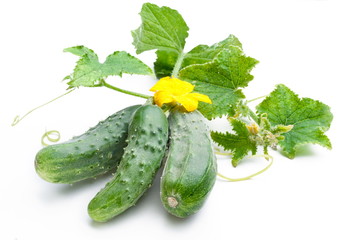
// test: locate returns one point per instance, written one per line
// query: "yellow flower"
(173, 90)
(253, 128)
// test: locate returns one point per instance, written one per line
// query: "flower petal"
(161, 85)
(201, 97)
(162, 97)
(173, 85)
(189, 103)
(179, 87)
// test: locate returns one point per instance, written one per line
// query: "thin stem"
(218, 151)
(105, 84)
(167, 107)
(255, 99)
(223, 153)
(250, 176)
(17, 119)
(178, 64)
(253, 115)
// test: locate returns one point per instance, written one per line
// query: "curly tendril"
(52, 136)
(252, 175)
(266, 156)
(17, 118)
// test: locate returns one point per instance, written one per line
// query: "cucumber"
(190, 169)
(86, 156)
(147, 141)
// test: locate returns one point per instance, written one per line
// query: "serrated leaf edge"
(322, 129)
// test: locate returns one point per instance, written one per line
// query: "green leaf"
(310, 119)
(80, 51)
(202, 53)
(89, 72)
(199, 55)
(165, 63)
(240, 143)
(221, 80)
(162, 28)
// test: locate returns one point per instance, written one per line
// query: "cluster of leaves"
(220, 71)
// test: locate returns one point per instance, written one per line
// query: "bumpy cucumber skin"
(93, 153)
(147, 140)
(190, 168)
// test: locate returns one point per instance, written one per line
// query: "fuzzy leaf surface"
(162, 28)
(221, 80)
(89, 72)
(310, 118)
(202, 53)
(199, 55)
(239, 143)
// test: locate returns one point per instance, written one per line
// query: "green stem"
(250, 176)
(105, 84)
(178, 64)
(255, 99)
(17, 119)
(223, 153)
(253, 115)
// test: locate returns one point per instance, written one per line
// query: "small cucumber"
(147, 141)
(190, 168)
(86, 156)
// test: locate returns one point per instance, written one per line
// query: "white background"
(296, 43)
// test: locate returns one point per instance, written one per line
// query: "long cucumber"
(190, 168)
(93, 153)
(147, 140)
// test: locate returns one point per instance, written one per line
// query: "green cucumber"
(190, 168)
(93, 153)
(147, 141)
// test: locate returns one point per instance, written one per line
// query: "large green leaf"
(221, 80)
(89, 72)
(162, 28)
(203, 53)
(310, 118)
(200, 54)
